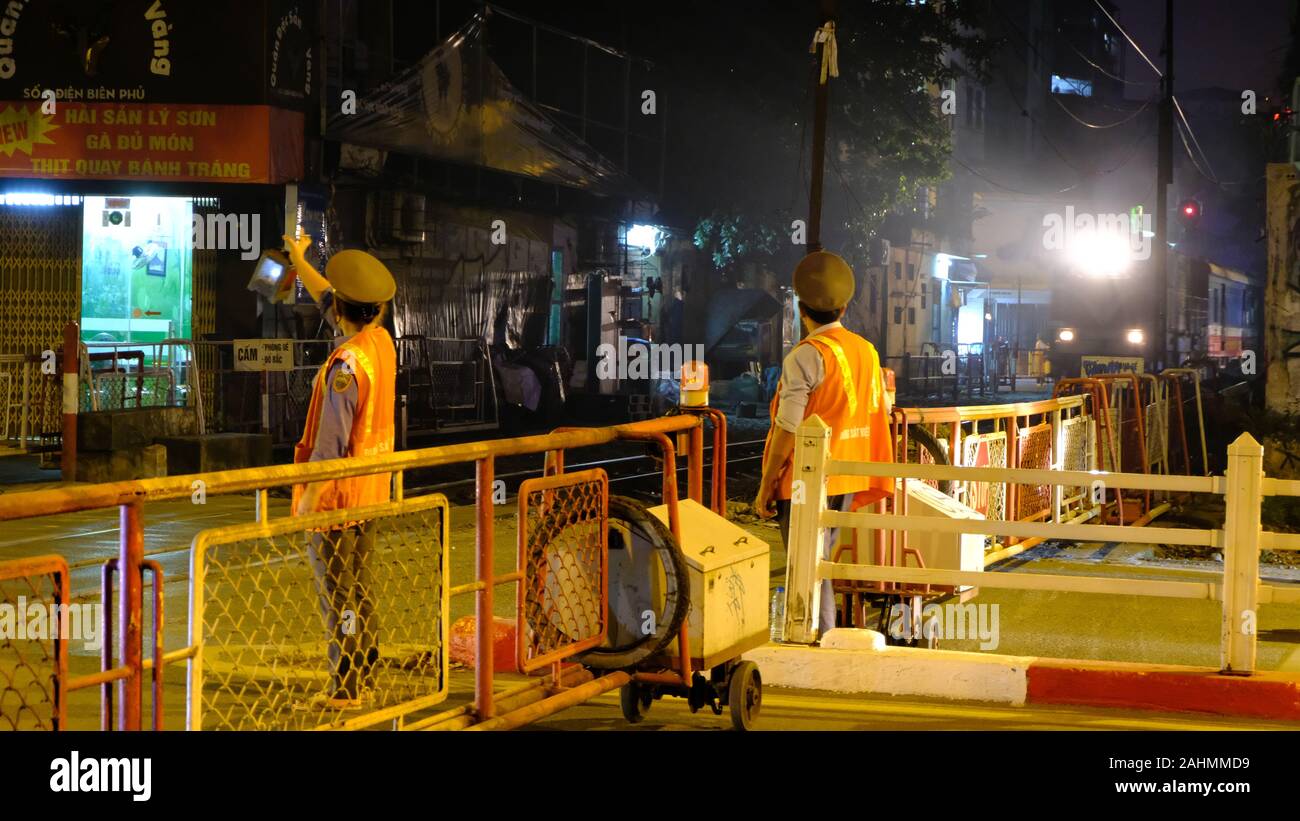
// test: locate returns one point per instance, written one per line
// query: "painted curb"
(897, 671)
(1016, 680)
(1167, 688)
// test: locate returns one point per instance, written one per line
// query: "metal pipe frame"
(131, 496)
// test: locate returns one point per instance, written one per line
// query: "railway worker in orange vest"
(351, 414)
(835, 374)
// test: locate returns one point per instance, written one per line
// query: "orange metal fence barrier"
(124, 683)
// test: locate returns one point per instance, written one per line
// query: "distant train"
(1233, 315)
(1214, 313)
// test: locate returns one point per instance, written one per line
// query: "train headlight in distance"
(1135, 336)
(1066, 335)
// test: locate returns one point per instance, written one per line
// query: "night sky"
(1237, 44)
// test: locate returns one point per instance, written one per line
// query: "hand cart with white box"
(687, 598)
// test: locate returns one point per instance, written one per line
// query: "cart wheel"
(635, 699)
(745, 695)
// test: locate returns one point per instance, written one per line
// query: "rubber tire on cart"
(938, 451)
(745, 695)
(635, 517)
(635, 698)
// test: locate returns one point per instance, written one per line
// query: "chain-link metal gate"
(293, 617)
(1075, 433)
(35, 622)
(564, 556)
(40, 286)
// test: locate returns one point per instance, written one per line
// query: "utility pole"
(1164, 178)
(821, 89)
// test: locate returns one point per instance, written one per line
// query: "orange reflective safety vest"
(851, 401)
(373, 361)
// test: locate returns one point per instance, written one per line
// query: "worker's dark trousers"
(340, 561)
(837, 502)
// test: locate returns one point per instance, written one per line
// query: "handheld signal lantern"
(273, 277)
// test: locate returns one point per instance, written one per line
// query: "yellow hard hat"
(823, 281)
(359, 277)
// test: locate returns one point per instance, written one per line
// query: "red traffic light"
(1190, 209)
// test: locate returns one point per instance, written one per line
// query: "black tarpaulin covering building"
(457, 105)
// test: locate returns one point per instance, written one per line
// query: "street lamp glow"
(1135, 336)
(1066, 335)
(1100, 253)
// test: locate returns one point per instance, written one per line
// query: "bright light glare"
(645, 237)
(1135, 336)
(1066, 335)
(29, 198)
(1100, 254)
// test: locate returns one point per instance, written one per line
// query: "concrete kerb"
(868, 667)
(895, 671)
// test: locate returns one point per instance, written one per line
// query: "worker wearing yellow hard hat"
(351, 414)
(835, 374)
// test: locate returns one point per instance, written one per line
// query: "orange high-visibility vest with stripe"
(373, 361)
(851, 401)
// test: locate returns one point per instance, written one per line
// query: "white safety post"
(1058, 461)
(1241, 554)
(803, 553)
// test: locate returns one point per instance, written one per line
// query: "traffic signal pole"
(1164, 178)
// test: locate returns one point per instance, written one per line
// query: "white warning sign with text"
(263, 354)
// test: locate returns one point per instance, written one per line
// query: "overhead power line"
(1056, 98)
(1131, 42)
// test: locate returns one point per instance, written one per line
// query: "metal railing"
(941, 375)
(249, 684)
(1041, 434)
(1240, 539)
(447, 383)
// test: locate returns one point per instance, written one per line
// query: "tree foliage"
(742, 100)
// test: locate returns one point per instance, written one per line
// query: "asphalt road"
(801, 710)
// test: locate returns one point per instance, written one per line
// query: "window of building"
(1069, 85)
(923, 296)
(898, 270)
(911, 271)
(911, 316)
(898, 315)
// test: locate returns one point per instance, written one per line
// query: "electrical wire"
(1103, 71)
(954, 158)
(1178, 108)
(1056, 98)
(1131, 42)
